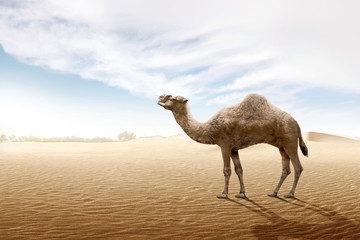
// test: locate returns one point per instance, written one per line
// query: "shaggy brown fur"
(252, 121)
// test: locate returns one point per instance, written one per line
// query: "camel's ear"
(181, 99)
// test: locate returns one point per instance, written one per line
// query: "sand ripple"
(166, 188)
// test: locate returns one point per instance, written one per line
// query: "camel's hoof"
(289, 195)
(273, 194)
(222, 196)
(240, 195)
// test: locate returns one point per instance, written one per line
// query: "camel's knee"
(298, 171)
(285, 172)
(227, 172)
(239, 170)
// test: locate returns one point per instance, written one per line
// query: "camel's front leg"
(239, 172)
(227, 171)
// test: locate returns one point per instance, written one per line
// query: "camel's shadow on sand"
(339, 228)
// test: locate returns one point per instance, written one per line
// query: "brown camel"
(252, 121)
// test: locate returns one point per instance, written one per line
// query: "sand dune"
(165, 188)
(323, 137)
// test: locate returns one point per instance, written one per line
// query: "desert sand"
(165, 188)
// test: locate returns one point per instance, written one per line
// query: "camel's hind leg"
(227, 171)
(292, 152)
(239, 172)
(285, 171)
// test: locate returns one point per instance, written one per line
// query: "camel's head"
(172, 103)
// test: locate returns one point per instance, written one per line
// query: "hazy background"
(96, 68)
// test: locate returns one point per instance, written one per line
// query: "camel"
(252, 121)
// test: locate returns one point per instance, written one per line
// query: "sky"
(96, 68)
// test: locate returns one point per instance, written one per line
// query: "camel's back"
(253, 103)
(254, 117)
(254, 106)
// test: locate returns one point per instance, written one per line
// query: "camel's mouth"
(161, 103)
(162, 100)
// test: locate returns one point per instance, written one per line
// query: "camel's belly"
(244, 143)
(248, 141)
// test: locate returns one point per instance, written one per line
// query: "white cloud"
(200, 49)
(134, 46)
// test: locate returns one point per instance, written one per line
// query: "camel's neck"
(197, 131)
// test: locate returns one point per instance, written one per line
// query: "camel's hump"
(254, 97)
(253, 105)
(255, 101)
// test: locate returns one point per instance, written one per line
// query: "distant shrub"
(29, 139)
(99, 139)
(63, 139)
(125, 136)
(12, 138)
(3, 138)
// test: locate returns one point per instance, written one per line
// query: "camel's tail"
(302, 145)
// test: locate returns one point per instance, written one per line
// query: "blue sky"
(45, 103)
(96, 69)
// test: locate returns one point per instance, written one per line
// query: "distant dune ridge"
(166, 187)
(323, 137)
